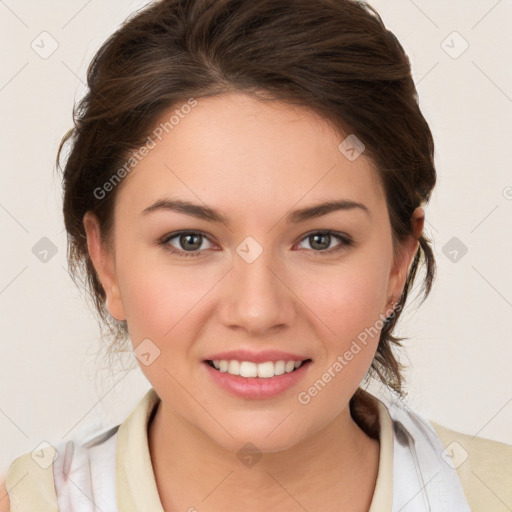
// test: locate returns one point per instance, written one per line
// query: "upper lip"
(261, 356)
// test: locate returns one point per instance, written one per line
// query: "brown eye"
(321, 241)
(188, 243)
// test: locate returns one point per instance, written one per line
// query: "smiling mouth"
(264, 370)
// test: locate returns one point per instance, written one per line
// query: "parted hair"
(334, 57)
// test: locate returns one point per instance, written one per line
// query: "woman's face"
(262, 279)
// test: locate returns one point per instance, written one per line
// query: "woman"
(244, 193)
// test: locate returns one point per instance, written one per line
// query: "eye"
(189, 243)
(320, 241)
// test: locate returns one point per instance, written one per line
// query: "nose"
(257, 298)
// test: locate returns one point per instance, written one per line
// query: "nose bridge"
(257, 298)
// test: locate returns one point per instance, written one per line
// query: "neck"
(336, 467)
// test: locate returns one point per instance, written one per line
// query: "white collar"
(114, 469)
(423, 481)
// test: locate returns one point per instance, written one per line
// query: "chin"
(257, 443)
(264, 436)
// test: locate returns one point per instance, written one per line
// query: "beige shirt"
(136, 485)
(486, 475)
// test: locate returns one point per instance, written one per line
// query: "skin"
(4, 497)
(254, 162)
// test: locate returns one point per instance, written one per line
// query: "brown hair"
(334, 57)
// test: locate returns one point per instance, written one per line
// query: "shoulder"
(30, 482)
(68, 473)
(4, 497)
(484, 467)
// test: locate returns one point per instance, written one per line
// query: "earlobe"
(103, 261)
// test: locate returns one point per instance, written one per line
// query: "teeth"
(248, 369)
(279, 367)
(234, 367)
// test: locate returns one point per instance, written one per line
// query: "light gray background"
(53, 387)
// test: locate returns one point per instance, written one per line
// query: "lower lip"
(256, 387)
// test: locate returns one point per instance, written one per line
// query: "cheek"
(161, 300)
(348, 298)
(349, 306)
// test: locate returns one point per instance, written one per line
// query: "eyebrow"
(212, 215)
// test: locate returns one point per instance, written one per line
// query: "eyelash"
(345, 240)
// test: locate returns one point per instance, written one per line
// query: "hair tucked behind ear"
(335, 57)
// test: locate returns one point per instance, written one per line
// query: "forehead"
(233, 152)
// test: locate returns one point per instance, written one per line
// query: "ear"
(104, 264)
(403, 257)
